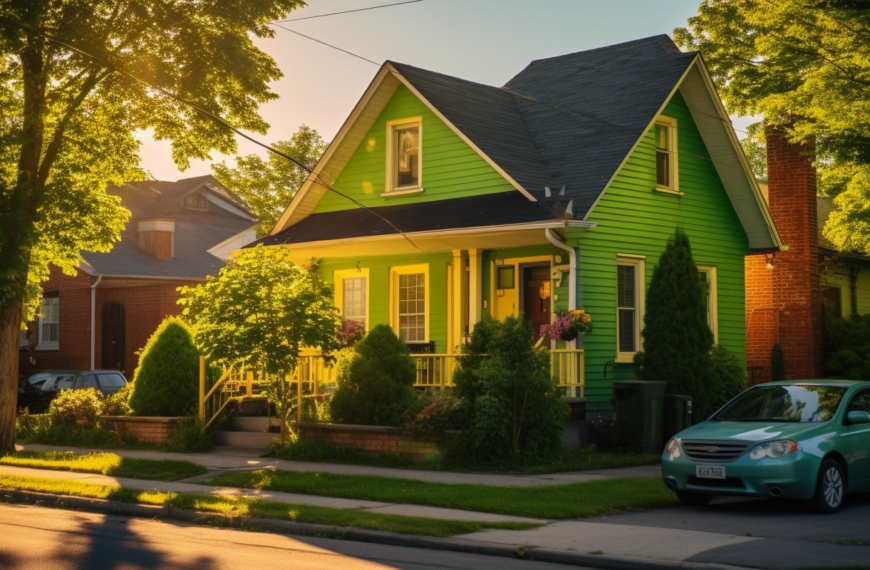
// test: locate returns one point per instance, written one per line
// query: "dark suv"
(106, 381)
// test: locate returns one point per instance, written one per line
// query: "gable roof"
(564, 122)
(195, 231)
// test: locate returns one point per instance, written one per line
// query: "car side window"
(89, 381)
(860, 403)
(63, 383)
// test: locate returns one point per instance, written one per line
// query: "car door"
(857, 438)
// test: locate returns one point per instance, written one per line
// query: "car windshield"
(779, 403)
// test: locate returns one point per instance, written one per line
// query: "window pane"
(412, 307)
(662, 137)
(354, 300)
(625, 286)
(506, 277)
(705, 286)
(626, 330)
(113, 380)
(663, 168)
(408, 156)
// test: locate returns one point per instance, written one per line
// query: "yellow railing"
(312, 375)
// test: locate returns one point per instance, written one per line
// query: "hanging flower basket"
(568, 325)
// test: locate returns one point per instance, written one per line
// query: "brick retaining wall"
(372, 440)
(145, 428)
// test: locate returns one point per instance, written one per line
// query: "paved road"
(35, 538)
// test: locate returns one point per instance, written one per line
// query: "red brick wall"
(145, 306)
(372, 440)
(145, 429)
(783, 303)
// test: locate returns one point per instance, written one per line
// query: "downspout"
(572, 260)
(94, 319)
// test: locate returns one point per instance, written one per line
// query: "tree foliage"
(266, 187)
(71, 111)
(166, 382)
(515, 411)
(847, 347)
(676, 337)
(804, 65)
(376, 388)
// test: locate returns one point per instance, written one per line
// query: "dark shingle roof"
(475, 211)
(195, 231)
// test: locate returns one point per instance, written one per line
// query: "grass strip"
(250, 507)
(575, 500)
(105, 464)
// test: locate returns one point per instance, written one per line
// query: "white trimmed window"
(667, 177)
(707, 273)
(404, 157)
(352, 295)
(48, 323)
(629, 306)
(409, 302)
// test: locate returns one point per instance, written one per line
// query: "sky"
(487, 41)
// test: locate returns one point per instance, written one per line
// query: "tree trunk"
(10, 325)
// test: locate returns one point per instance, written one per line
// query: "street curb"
(602, 562)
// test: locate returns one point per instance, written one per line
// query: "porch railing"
(312, 374)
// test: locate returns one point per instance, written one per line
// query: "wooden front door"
(537, 295)
(113, 336)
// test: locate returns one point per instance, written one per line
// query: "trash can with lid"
(639, 407)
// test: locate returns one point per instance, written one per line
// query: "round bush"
(76, 410)
(167, 380)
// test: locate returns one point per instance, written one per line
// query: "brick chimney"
(783, 298)
(156, 237)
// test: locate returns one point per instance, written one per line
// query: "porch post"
(475, 287)
(459, 297)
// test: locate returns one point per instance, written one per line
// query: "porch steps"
(246, 433)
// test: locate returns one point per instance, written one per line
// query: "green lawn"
(576, 500)
(238, 507)
(105, 464)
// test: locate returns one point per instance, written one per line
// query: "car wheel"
(830, 487)
(694, 499)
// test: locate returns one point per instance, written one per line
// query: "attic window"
(195, 202)
(665, 131)
(404, 157)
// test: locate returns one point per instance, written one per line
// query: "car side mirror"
(857, 417)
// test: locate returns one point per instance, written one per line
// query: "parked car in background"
(799, 439)
(40, 379)
(59, 382)
(106, 381)
(31, 398)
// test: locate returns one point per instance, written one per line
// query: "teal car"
(799, 439)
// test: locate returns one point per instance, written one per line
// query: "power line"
(326, 44)
(345, 12)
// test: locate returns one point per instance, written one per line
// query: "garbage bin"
(678, 415)
(639, 407)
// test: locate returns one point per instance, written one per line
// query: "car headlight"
(773, 449)
(673, 449)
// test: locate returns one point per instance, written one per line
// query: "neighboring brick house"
(179, 233)
(787, 290)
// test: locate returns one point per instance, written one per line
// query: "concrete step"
(245, 423)
(245, 439)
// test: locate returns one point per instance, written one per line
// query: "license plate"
(710, 471)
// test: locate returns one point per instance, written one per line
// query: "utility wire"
(345, 12)
(311, 175)
(326, 44)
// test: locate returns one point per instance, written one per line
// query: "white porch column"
(459, 297)
(475, 287)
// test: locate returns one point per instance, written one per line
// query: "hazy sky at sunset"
(487, 41)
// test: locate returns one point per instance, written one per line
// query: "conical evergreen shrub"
(676, 337)
(166, 382)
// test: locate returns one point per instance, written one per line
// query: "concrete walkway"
(222, 460)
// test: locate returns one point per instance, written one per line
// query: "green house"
(442, 200)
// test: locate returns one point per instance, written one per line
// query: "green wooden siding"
(450, 168)
(379, 287)
(635, 219)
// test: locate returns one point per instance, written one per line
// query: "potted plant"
(568, 325)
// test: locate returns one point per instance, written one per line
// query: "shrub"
(76, 410)
(376, 388)
(118, 404)
(167, 379)
(847, 347)
(729, 374)
(439, 419)
(676, 337)
(513, 408)
(31, 427)
(190, 437)
(777, 364)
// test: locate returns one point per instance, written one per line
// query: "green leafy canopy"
(804, 65)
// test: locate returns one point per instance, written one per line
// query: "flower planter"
(147, 429)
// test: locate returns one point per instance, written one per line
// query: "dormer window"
(404, 157)
(195, 202)
(665, 131)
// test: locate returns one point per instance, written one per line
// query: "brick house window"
(48, 323)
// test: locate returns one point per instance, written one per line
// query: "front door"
(113, 336)
(537, 296)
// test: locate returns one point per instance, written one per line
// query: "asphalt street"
(36, 538)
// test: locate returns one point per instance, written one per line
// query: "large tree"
(804, 65)
(78, 79)
(267, 186)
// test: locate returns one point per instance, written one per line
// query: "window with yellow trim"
(352, 295)
(404, 156)
(629, 306)
(409, 298)
(707, 274)
(665, 130)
